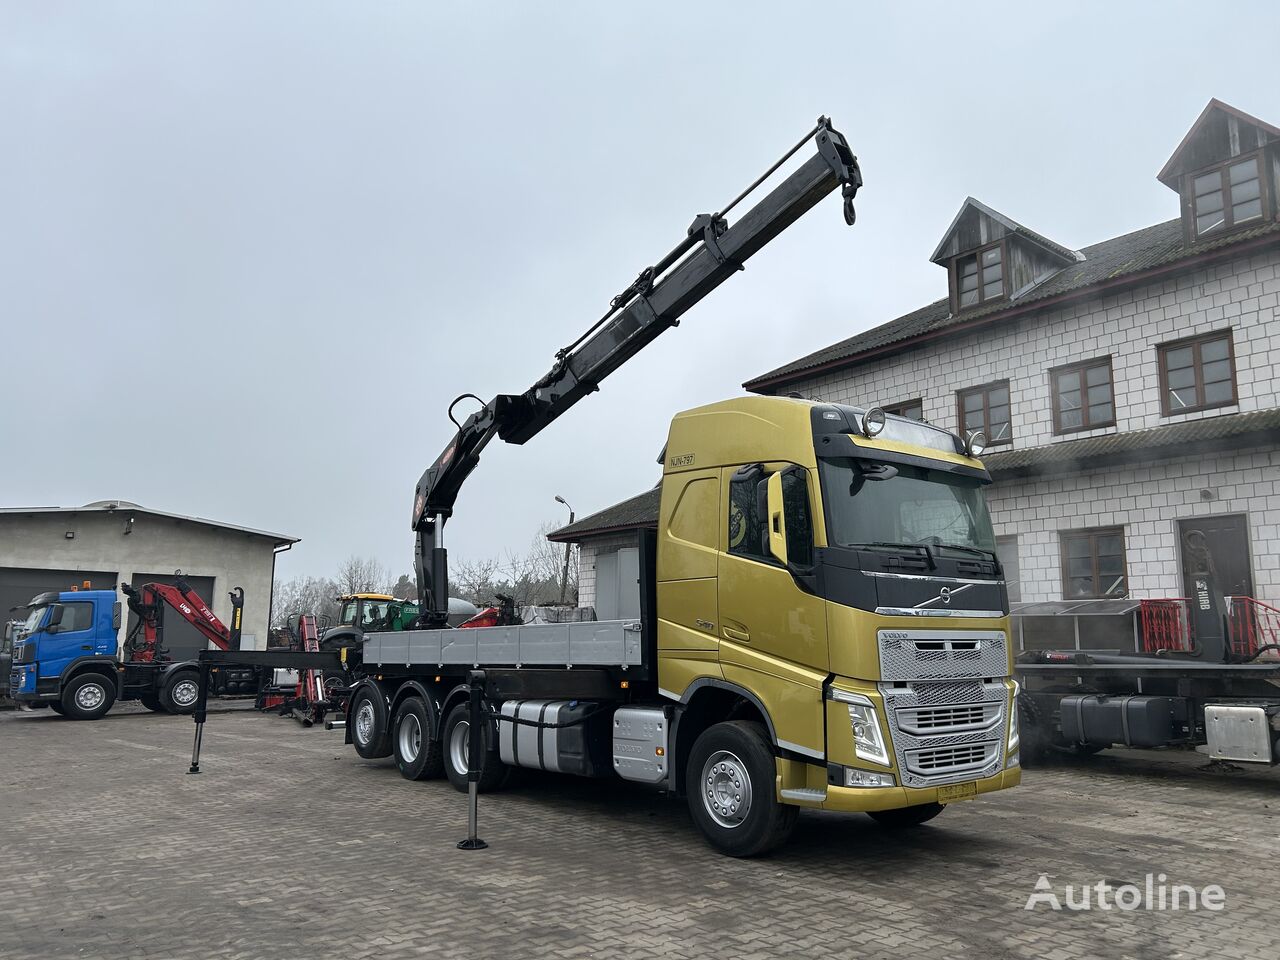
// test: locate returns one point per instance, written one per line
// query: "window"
(1093, 564)
(749, 511)
(1197, 374)
(76, 616)
(986, 408)
(1007, 551)
(980, 276)
(1082, 396)
(748, 500)
(911, 409)
(1226, 196)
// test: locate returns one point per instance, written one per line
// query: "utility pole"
(568, 548)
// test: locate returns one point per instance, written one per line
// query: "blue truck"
(66, 655)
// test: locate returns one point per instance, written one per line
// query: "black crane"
(711, 251)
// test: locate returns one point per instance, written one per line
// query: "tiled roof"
(1125, 258)
(634, 513)
(1173, 439)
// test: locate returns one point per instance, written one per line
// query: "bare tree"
(313, 595)
(406, 588)
(360, 575)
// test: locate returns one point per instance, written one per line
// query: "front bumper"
(866, 799)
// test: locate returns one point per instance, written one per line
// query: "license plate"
(957, 791)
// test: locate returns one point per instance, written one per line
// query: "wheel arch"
(103, 665)
(708, 701)
(435, 710)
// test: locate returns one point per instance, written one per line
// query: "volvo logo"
(944, 594)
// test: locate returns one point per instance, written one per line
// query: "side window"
(748, 532)
(795, 511)
(76, 616)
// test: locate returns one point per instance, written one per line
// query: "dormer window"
(990, 257)
(980, 276)
(1227, 196)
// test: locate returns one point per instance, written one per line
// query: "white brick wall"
(1128, 325)
(1147, 500)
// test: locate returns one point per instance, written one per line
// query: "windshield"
(903, 505)
(33, 620)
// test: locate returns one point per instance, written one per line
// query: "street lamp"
(564, 575)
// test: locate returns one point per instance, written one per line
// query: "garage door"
(181, 639)
(19, 584)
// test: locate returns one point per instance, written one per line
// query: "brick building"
(1129, 388)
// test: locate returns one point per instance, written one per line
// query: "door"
(74, 637)
(1228, 541)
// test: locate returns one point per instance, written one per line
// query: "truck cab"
(831, 574)
(65, 652)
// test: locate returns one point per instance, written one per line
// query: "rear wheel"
(180, 691)
(456, 741)
(417, 755)
(88, 697)
(370, 731)
(907, 816)
(730, 780)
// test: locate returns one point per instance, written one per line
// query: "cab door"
(73, 637)
(773, 634)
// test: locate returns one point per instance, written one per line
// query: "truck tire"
(418, 756)
(152, 703)
(730, 779)
(88, 696)
(370, 731)
(907, 816)
(57, 708)
(179, 691)
(455, 743)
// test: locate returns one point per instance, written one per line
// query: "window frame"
(1079, 369)
(986, 389)
(976, 253)
(1196, 342)
(1229, 224)
(897, 408)
(1092, 534)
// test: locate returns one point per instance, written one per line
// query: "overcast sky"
(250, 251)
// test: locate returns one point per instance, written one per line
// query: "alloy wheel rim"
(90, 696)
(460, 746)
(410, 737)
(364, 722)
(726, 789)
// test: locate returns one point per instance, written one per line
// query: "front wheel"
(456, 741)
(418, 756)
(906, 816)
(88, 697)
(730, 781)
(57, 708)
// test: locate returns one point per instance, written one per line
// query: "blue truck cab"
(65, 653)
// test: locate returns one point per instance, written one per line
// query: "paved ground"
(289, 846)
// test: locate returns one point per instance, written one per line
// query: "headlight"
(868, 744)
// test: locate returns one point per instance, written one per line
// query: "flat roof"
(118, 506)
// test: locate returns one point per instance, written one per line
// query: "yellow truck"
(823, 618)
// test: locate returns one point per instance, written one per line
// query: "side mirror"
(777, 520)
(55, 618)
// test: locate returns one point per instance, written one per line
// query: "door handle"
(86, 646)
(739, 633)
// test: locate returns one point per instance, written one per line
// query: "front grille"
(949, 761)
(944, 731)
(948, 719)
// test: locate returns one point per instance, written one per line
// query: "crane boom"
(148, 603)
(711, 251)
